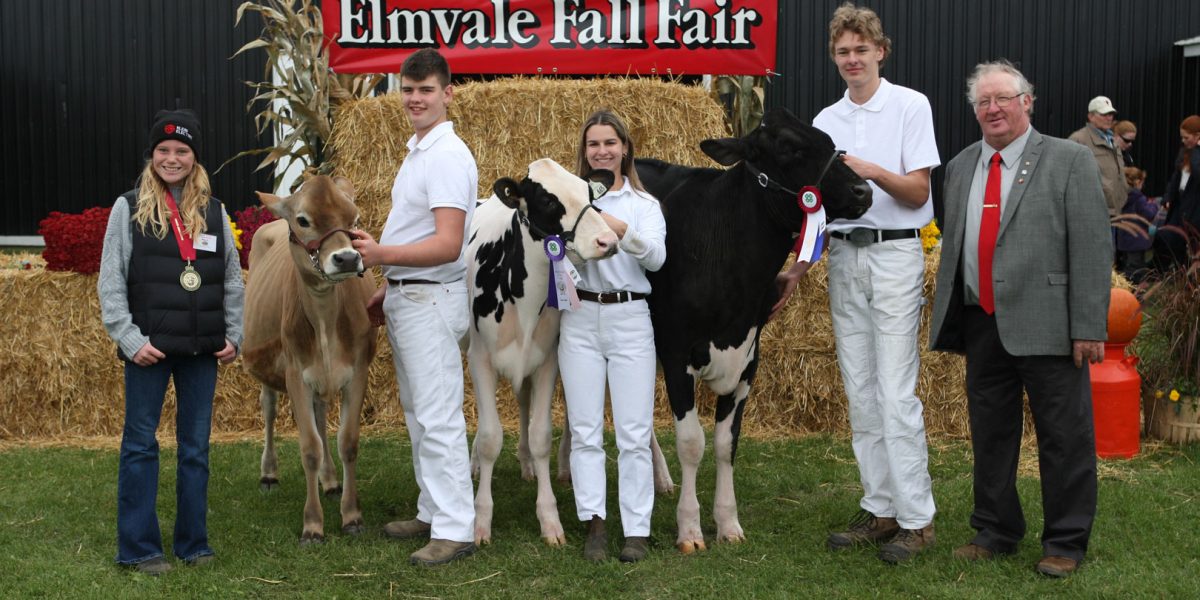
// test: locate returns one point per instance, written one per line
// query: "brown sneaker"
(407, 530)
(595, 547)
(865, 528)
(635, 549)
(153, 566)
(1056, 566)
(440, 552)
(973, 552)
(907, 544)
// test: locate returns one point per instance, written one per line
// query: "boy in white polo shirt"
(424, 304)
(876, 274)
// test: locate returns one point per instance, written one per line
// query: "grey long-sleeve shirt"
(112, 285)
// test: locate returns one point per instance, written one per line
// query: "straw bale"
(509, 123)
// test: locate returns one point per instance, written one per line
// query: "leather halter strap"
(768, 183)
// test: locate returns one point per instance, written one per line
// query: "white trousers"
(424, 323)
(613, 341)
(875, 296)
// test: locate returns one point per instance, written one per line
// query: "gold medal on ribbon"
(189, 279)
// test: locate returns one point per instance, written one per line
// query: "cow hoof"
(333, 491)
(732, 538)
(311, 539)
(483, 537)
(667, 489)
(691, 546)
(268, 484)
(355, 527)
(555, 541)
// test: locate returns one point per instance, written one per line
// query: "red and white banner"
(647, 37)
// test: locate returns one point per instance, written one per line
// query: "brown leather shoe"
(595, 547)
(865, 528)
(907, 544)
(407, 530)
(1056, 566)
(635, 549)
(440, 552)
(973, 552)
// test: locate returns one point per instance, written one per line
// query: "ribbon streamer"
(563, 276)
(810, 244)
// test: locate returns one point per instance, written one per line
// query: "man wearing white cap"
(1098, 136)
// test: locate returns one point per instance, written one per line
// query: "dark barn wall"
(1071, 50)
(81, 81)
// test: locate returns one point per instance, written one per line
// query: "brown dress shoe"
(973, 552)
(635, 549)
(407, 530)
(440, 552)
(1056, 566)
(595, 547)
(865, 528)
(907, 544)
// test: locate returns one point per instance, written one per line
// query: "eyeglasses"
(999, 101)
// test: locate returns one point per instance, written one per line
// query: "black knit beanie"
(182, 125)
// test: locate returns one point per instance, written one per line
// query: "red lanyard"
(186, 250)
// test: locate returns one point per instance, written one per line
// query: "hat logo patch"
(173, 129)
(169, 129)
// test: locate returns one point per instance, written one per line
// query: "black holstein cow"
(728, 235)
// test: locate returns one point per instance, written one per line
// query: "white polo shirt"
(438, 172)
(894, 130)
(642, 249)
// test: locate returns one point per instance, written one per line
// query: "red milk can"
(1116, 385)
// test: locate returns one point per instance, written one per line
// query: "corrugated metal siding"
(82, 81)
(1071, 50)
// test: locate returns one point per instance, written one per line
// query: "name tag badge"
(207, 242)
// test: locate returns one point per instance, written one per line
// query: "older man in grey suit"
(1022, 290)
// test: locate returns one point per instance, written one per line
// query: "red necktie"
(989, 226)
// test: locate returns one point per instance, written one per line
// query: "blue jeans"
(138, 536)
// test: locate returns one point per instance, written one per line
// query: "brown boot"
(635, 549)
(907, 544)
(440, 552)
(595, 547)
(1056, 566)
(407, 530)
(865, 528)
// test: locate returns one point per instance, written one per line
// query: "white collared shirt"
(1010, 158)
(642, 249)
(894, 129)
(438, 172)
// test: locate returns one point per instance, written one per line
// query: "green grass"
(57, 533)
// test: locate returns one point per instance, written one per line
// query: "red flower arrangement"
(74, 241)
(249, 220)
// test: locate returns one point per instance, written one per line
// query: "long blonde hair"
(153, 216)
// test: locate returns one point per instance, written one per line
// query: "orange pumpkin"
(1124, 316)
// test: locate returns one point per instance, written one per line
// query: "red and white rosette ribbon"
(809, 199)
(561, 292)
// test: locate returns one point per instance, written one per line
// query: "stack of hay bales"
(60, 377)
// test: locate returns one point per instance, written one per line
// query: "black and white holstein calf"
(513, 333)
(728, 234)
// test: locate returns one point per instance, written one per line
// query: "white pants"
(613, 341)
(875, 296)
(424, 323)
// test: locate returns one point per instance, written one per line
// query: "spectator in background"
(1124, 134)
(1131, 246)
(1098, 136)
(1182, 199)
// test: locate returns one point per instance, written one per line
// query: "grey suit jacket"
(1051, 270)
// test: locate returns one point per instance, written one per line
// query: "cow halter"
(767, 183)
(313, 249)
(567, 236)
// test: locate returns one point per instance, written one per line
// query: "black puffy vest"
(178, 322)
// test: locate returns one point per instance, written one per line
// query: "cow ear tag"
(809, 199)
(598, 189)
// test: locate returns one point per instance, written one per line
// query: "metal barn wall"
(1071, 50)
(81, 81)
